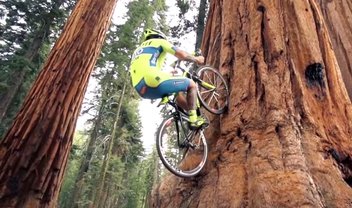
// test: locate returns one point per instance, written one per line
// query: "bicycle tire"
(182, 161)
(220, 93)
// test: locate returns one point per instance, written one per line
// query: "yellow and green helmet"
(152, 33)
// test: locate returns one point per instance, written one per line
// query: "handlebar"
(177, 63)
(187, 70)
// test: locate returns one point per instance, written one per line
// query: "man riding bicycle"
(152, 83)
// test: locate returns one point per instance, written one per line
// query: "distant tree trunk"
(101, 181)
(200, 23)
(34, 152)
(104, 195)
(286, 138)
(18, 77)
(337, 15)
(84, 166)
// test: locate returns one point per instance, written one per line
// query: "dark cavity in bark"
(315, 75)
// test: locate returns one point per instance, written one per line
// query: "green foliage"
(140, 180)
(136, 189)
(130, 133)
(191, 19)
(183, 5)
(127, 178)
(72, 169)
(25, 18)
(27, 32)
(67, 186)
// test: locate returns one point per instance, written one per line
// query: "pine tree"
(140, 14)
(200, 23)
(25, 48)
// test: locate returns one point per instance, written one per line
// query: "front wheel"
(213, 92)
(182, 151)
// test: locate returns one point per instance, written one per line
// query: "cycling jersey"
(145, 69)
(149, 58)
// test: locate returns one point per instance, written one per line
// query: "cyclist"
(152, 83)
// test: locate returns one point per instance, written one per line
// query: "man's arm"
(183, 55)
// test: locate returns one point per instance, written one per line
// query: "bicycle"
(184, 151)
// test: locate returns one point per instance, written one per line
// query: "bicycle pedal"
(205, 125)
(195, 128)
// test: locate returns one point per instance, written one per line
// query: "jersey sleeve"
(168, 47)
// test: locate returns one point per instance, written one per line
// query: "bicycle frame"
(187, 139)
(177, 114)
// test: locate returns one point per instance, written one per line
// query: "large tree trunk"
(34, 152)
(338, 18)
(286, 139)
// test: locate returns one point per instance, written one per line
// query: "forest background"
(283, 142)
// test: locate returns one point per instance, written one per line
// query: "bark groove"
(288, 109)
(34, 152)
(338, 19)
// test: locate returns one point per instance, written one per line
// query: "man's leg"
(192, 96)
(189, 101)
(169, 85)
(181, 101)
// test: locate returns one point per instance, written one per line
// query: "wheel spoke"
(215, 83)
(208, 78)
(207, 96)
(215, 100)
(186, 158)
(185, 153)
(211, 98)
(206, 91)
(216, 103)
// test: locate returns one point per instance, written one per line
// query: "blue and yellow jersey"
(149, 57)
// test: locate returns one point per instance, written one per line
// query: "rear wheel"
(214, 97)
(181, 150)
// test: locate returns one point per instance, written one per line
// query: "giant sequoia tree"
(34, 152)
(286, 138)
(337, 15)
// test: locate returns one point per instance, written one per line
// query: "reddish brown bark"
(285, 141)
(34, 152)
(338, 18)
